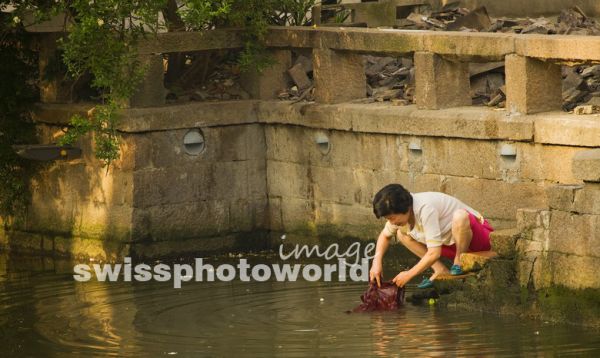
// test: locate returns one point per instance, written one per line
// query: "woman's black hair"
(392, 199)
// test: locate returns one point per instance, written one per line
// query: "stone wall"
(547, 266)
(560, 246)
(156, 199)
(273, 166)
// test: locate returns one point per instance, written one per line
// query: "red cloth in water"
(385, 298)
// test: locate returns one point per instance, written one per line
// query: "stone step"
(474, 261)
(444, 284)
(453, 277)
(504, 242)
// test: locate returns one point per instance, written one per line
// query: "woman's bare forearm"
(383, 242)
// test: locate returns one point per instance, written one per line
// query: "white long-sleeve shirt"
(433, 219)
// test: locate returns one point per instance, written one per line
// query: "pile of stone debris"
(581, 84)
(221, 84)
(393, 79)
(390, 79)
(301, 75)
(572, 21)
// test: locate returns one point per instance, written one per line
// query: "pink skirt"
(480, 241)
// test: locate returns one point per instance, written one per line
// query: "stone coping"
(468, 46)
(472, 122)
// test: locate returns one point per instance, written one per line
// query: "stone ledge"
(463, 122)
(475, 261)
(567, 129)
(471, 122)
(558, 47)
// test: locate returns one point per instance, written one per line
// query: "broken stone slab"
(571, 97)
(591, 71)
(298, 75)
(475, 261)
(586, 165)
(572, 81)
(386, 94)
(417, 19)
(586, 109)
(478, 68)
(594, 101)
(306, 63)
(377, 67)
(573, 17)
(400, 102)
(477, 19)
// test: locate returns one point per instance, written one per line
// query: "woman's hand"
(402, 278)
(375, 274)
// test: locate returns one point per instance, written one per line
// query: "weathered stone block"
(272, 80)
(275, 220)
(561, 197)
(546, 162)
(447, 157)
(164, 149)
(496, 199)
(440, 83)
(348, 220)
(532, 85)
(529, 249)
(368, 151)
(172, 185)
(504, 242)
(288, 144)
(151, 92)
(327, 185)
(242, 214)
(586, 165)
(574, 234)
(338, 76)
(528, 219)
(256, 179)
(587, 200)
(182, 221)
(99, 221)
(135, 152)
(297, 214)
(288, 180)
(577, 272)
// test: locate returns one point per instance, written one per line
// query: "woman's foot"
(456, 270)
(426, 283)
(439, 273)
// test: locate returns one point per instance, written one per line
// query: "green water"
(45, 313)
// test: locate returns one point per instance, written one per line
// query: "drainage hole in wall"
(323, 143)
(193, 142)
(415, 148)
(508, 152)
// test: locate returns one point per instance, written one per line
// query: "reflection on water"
(45, 313)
